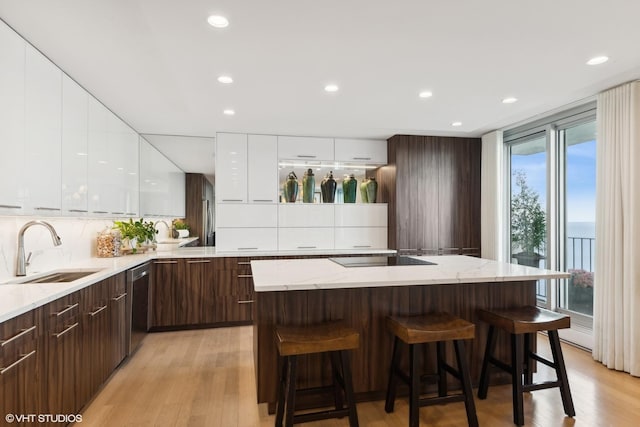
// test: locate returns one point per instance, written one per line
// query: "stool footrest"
(329, 389)
(430, 401)
(321, 415)
(540, 386)
(542, 360)
(500, 364)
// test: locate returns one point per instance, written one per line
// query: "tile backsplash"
(78, 237)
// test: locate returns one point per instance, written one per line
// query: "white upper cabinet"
(231, 168)
(162, 184)
(373, 151)
(132, 169)
(43, 133)
(305, 148)
(75, 148)
(262, 174)
(12, 72)
(99, 170)
(177, 191)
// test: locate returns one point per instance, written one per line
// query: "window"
(551, 163)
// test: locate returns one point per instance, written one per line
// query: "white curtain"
(492, 196)
(616, 315)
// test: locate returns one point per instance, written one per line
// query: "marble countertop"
(310, 274)
(17, 298)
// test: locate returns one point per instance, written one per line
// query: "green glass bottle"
(308, 186)
(349, 188)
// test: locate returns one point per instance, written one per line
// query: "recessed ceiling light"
(331, 88)
(597, 60)
(218, 21)
(425, 94)
(456, 124)
(509, 100)
(225, 79)
(229, 112)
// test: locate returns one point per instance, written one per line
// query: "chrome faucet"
(21, 264)
(166, 225)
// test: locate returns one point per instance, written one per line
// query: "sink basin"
(65, 276)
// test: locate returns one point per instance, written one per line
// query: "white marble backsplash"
(78, 242)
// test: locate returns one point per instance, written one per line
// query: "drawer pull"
(11, 206)
(244, 276)
(232, 200)
(69, 307)
(101, 212)
(307, 247)
(246, 301)
(118, 213)
(18, 335)
(306, 156)
(263, 200)
(93, 313)
(119, 297)
(361, 246)
(59, 334)
(17, 362)
(361, 158)
(77, 210)
(247, 249)
(44, 208)
(199, 261)
(165, 262)
(244, 262)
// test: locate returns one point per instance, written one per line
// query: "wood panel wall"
(432, 187)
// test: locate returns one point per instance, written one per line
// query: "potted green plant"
(181, 228)
(136, 233)
(528, 223)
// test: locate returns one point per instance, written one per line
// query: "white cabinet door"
(361, 237)
(262, 173)
(305, 148)
(246, 215)
(12, 73)
(306, 215)
(132, 170)
(246, 239)
(373, 151)
(98, 158)
(116, 167)
(177, 192)
(43, 132)
(75, 111)
(292, 239)
(231, 168)
(162, 184)
(361, 215)
(148, 178)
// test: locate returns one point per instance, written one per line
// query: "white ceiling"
(155, 62)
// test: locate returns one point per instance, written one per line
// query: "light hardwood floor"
(206, 378)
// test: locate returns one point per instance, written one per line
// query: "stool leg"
(517, 353)
(281, 388)
(442, 374)
(292, 375)
(337, 371)
(465, 379)
(393, 380)
(528, 362)
(483, 386)
(561, 372)
(414, 387)
(348, 388)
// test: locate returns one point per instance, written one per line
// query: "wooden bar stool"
(332, 337)
(438, 328)
(521, 323)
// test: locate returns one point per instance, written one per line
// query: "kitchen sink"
(58, 277)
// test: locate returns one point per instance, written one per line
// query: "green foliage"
(140, 230)
(179, 224)
(528, 218)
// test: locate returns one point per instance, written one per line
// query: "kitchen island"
(307, 291)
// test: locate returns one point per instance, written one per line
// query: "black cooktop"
(379, 261)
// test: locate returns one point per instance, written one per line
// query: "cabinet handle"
(131, 213)
(232, 200)
(119, 297)
(307, 247)
(77, 210)
(247, 249)
(263, 200)
(361, 246)
(361, 158)
(246, 301)
(244, 276)
(17, 362)
(199, 261)
(306, 156)
(59, 334)
(69, 307)
(100, 212)
(165, 262)
(44, 208)
(18, 335)
(93, 313)
(244, 262)
(11, 206)
(118, 213)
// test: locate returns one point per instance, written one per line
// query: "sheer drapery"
(616, 319)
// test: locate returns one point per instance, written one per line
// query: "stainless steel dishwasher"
(138, 308)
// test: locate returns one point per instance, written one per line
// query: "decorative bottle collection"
(328, 187)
